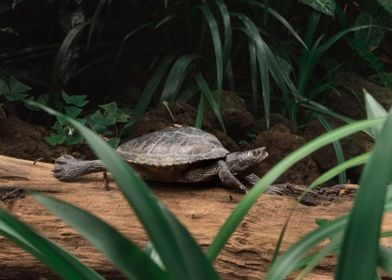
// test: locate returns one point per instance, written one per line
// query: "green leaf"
(55, 139)
(360, 243)
(325, 6)
(280, 18)
(248, 200)
(374, 110)
(372, 36)
(17, 86)
(110, 108)
(214, 30)
(99, 119)
(387, 5)
(4, 89)
(73, 139)
(362, 159)
(210, 98)
(176, 76)
(76, 100)
(385, 259)
(12, 97)
(200, 112)
(226, 20)
(152, 85)
(59, 260)
(62, 55)
(130, 260)
(72, 111)
(181, 255)
(337, 147)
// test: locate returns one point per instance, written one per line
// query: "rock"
(346, 103)
(280, 142)
(352, 146)
(236, 117)
(160, 117)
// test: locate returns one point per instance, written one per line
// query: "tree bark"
(202, 210)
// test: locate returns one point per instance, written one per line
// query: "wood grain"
(203, 210)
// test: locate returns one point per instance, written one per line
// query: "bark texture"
(203, 210)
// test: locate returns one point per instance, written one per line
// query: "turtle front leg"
(67, 167)
(227, 178)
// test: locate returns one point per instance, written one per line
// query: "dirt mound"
(22, 140)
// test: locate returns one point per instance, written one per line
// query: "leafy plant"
(180, 255)
(104, 121)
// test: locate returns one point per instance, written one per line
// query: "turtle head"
(245, 162)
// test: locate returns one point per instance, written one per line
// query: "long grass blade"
(176, 76)
(374, 110)
(132, 261)
(94, 21)
(227, 31)
(210, 98)
(246, 203)
(360, 243)
(200, 112)
(62, 53)
(152, 85)
(216, 40)
(59, 260)
(279, 17)
(359, 160)
(180, 254)
(337, 147)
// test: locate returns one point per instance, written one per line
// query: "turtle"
(175, 154)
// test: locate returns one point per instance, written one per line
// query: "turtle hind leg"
(227, 178)
(67, 167)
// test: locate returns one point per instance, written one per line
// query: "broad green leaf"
(109, 108)
(130, 260)
(387, 5)
(72, 111)
(4, 89)
(59, 260)
(99, 119)
(76, 100)
(372, 36)
(325, 6)
(55, 139)
(17, 86)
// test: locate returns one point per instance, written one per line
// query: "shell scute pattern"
(173, 146)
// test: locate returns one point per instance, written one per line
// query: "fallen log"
(202, 210)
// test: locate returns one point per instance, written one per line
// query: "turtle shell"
(173, 146)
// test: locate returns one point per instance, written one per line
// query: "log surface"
(202, 210)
